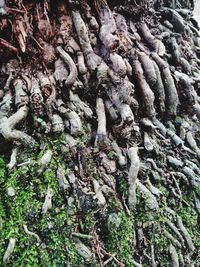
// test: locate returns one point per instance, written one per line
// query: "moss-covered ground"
(58, 247)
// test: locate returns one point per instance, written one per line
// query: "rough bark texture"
(99, 133)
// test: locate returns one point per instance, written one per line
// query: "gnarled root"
(108, 27)
(170, 88)
(148, 37)
(92, 59)
(120, 156)
(9, 133)
(81, 105)
(159, 89)
(71, 65)
(148, 67)
(146, 92)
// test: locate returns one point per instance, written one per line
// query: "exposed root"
(31, 233)
(170, 88)
(71, 65)
(174, 256)
(185, 234)
(9, 133)
(146, 92)
(13, 159)
(101, 136)
(47, 205)
(132, 177)
(9, 250)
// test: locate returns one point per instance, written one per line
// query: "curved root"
(7, 125)
(70, 63)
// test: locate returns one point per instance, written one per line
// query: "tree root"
(7, 125)
(31, 233)
(47, 205)
(147, 94)
(9, 250)
(185, 234)
(101, 136)
(70, 63)
(170, 88)
(133, 173)
(174, 256)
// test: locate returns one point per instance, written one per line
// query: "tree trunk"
(99, 133)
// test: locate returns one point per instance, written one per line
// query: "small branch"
(79, 235)
(8, 46)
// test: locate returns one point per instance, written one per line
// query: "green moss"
(197, 190)
(89, 222)
(53, 228)
(84, 137)
(121, 239)
(178, 120)
(123, 186)
(56, 226)
(2, 170)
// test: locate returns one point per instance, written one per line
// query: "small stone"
(11, 191)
